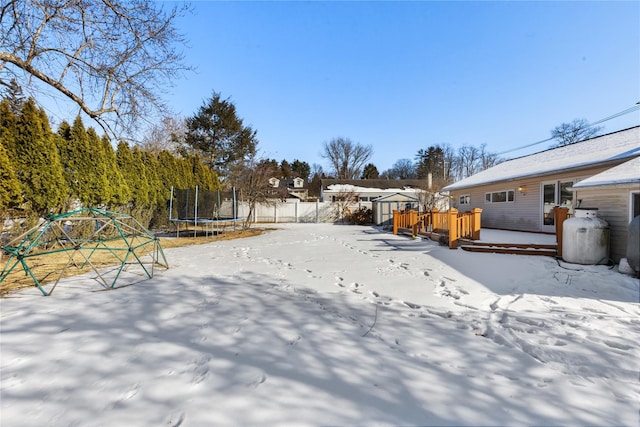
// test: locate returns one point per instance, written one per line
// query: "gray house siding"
(525, 212)
(613, 206)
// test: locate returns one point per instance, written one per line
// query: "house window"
(500, 196)
(465, 199)
(347, 198)
(634, 205)
(298, 183)
(274, 182)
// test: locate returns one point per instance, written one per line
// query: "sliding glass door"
(555, 193)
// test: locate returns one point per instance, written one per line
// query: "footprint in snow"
(201, 370)
(175, 420)
(294, 341)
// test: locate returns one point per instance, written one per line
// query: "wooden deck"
(510, 248)
(462, 230)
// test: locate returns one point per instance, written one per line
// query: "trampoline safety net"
(203, 205)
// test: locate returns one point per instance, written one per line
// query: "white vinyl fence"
(296, 211)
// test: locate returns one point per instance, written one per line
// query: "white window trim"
(466, 197)
(631, 193)
(500, 191)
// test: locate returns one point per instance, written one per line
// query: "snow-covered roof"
(349, 188)
(613, 146)
(626, 173)
(396, 197)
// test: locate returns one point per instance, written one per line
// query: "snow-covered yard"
(317, 324)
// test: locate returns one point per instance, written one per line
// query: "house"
(289, 187)
(616, 194)
(366, 190)
(519, 194)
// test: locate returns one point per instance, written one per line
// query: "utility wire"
(621, 113)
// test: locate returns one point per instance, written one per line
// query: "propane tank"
(585, 238)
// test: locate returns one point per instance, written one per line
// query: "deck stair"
(509, 248)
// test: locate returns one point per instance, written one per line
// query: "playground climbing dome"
(110, 244)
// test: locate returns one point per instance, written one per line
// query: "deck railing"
(561, 214)
(456, 225)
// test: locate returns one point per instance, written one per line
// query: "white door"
(554, 193)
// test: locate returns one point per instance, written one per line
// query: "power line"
(621, 113)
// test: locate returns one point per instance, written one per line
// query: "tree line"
(444, 163)
(112, 59)
(43, 172)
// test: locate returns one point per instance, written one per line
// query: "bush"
(362, 216)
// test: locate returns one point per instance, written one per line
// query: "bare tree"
(111, 58)
(402, 169)
(168, 135)
(343, 201)
(252, 177)
(577, 130)
(486, 158)
(346, 158)
(468, 157)
(449, 158)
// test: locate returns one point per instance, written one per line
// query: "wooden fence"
(456, 225)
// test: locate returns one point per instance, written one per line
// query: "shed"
(384, 206)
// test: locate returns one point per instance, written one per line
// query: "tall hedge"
(38, 165)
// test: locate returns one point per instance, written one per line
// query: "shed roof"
(626, 173)
(618, 145)
(396, 197)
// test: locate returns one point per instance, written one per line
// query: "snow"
(626, 173)
(350, 188)
(320, 324)
(614, 146)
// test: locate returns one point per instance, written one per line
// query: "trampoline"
(211, 210)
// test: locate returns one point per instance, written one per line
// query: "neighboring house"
(366, 190)
(289, 187)
(519, 194)
(616, 194)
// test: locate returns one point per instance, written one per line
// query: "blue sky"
(402, 76)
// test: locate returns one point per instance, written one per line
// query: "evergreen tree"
(100, 192)
(370, 171)
(169, 171)
(185, 172)
(219, 135)
(119, 192)
(8, 121)
(14, 95)
(204, 177)
(430, 161)
(38, 163)
(157, 194)
(134, 175)
(73, 149)
(285, 169)
(9, 185)
(10, 191)
(301, 169)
